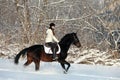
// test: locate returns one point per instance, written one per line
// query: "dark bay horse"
(36, 53)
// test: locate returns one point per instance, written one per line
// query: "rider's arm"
(55, 39)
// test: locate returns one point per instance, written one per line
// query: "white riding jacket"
(50, 37)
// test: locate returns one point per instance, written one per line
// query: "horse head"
(76, 41)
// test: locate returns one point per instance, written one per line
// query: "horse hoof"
(65, 72)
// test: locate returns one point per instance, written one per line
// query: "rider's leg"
(54, 50)
(53, 47)
(54, 54)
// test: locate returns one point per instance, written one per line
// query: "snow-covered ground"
(53, 71)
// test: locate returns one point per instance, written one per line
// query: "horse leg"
(37, 63)
(63, 66)
(68, 65)
(63, 62)
(29, 61)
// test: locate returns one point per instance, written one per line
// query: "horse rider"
(51, 41)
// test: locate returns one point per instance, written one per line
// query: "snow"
(53, 71)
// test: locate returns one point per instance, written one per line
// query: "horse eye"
(76, 38)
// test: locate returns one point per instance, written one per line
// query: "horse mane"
(65, 38)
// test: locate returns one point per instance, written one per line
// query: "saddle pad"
(49, 51)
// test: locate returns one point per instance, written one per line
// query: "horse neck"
(65, 45)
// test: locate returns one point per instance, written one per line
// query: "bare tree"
(97, 22)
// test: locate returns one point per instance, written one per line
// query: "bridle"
(75, 39)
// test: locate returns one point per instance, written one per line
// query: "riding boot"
(54, 55)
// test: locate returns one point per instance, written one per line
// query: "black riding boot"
(54, 54)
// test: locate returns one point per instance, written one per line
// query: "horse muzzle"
(78, 44)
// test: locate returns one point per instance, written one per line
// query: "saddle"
(48, 50)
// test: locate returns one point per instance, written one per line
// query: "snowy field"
(53, 71)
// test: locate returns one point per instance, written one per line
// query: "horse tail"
(22, 52)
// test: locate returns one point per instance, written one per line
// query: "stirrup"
(55, 58)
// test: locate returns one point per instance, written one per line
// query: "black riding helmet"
(52, 24)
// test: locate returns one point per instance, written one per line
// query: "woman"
(51, 40)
